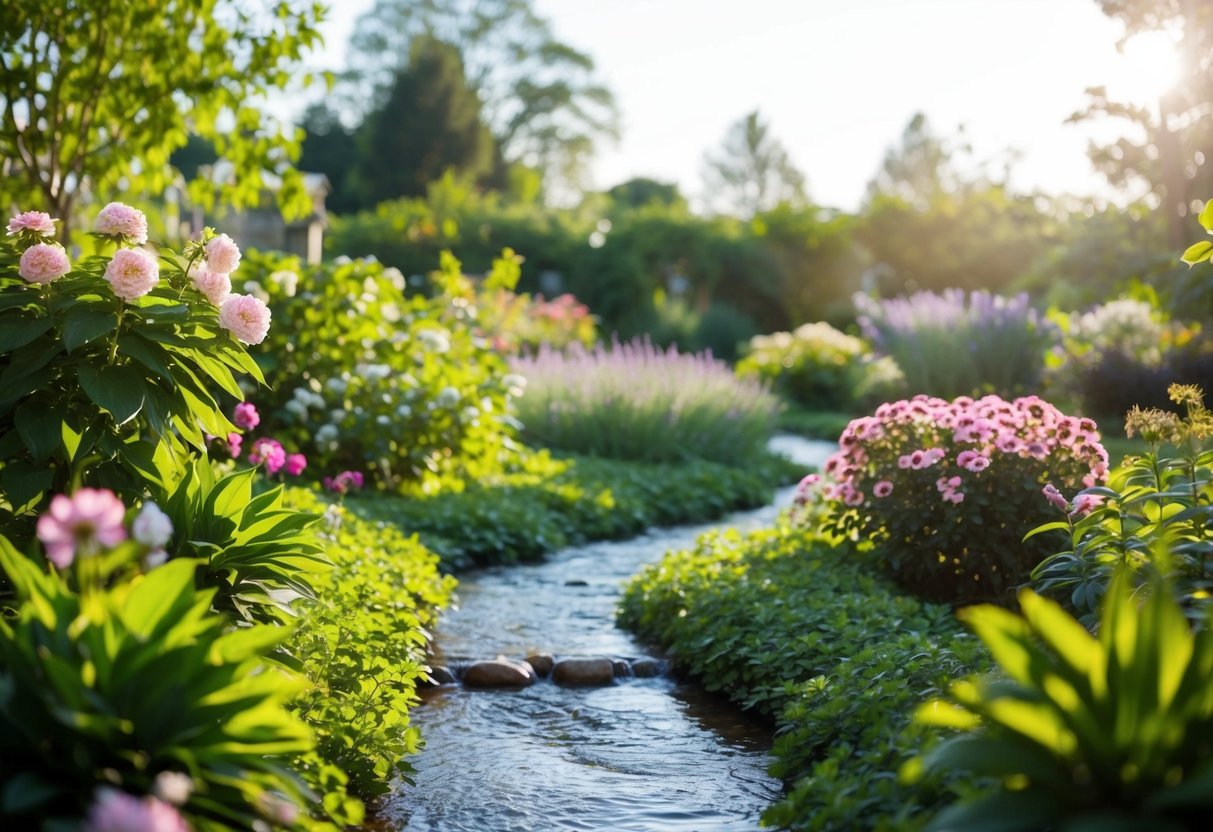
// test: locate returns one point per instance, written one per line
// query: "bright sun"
(1147, 68)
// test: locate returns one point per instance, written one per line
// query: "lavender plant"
(635, 401)
(951, 344)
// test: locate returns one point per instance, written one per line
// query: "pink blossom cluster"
(1083, 504)
(81, 524)
(344, 482)
(42, 261)
(120, 220)
(957, 442)
(117, 811)
(263, 450)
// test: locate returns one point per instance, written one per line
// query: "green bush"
(633, 401)
(363, 642)
(1153, 497)
(552, 503)
(119, 686)
(1112, 732)
(811, 636)
(818, 367)
(366, 377)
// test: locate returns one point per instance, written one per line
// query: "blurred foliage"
(752, 171)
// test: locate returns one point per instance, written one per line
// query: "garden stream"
(639, 754)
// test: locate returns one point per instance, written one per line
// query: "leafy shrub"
(783, 624)
(106, 381)
(366, 377)
(1151, 499)
(552, 503)
(948, 489)
(953, 344)
(362, 642)
(633, 401)
(519, 323)
(1113, 731)
(816, 365)
(120, 687)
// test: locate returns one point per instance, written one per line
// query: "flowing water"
(641, 754)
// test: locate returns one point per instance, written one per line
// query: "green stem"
(117, 331)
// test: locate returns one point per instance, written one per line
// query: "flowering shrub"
(365, 377)
(948, 489)
(520, 323)
(816, 365)
(1157, 499)
(953, 344)
(107, 365)
(123, 701)
(634, 401)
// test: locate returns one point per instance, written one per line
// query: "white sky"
(837, 80)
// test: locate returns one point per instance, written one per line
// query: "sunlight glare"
(1147, 68)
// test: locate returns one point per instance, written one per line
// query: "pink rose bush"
(123, 222)
(949, 489)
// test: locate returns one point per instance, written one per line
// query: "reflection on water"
(642, 754)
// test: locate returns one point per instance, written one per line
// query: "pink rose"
(234, 441)
(43, 262)
(295, 463)
(124, 221)
(216, 286)
(270, 452)
(132, 273)
(34, 222)
(222, 254)
(77, 524)
(246, 317)
(245, 416)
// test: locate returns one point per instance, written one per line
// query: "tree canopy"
(752, 171)
(95, 96)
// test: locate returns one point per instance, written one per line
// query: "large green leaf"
(114, 388)
(40, 428)
(83, 324)
(17, 331)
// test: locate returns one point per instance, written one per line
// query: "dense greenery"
(808, 634)
(559, 502)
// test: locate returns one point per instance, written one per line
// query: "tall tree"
(540, 96)
(331, 148)
(429, 124)
(640, 191)
(752, 172)
(1167, 151)
(921, 167)
(95, 96)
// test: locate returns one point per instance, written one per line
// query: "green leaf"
(40, 428)
(24, 484)
(18, 332)
(117, 389)
(164, 590)
(1198, 253)
(1206, 216)
(82, 325)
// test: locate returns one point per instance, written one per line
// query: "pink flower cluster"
(34, 223)
(116, 811)
(263, 450)
(959, 441)
(41, 262)
(81, 524)
(120, 220)
(344, 482)
(1083, 504)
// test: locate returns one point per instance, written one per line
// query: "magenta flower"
(246, 317)
(115, 811)
(245, 416)
(80, 523)
(43, 262)
(344, 482)
(295, 463)
(883, 488)
(132, 273)
(117, 219)
(32, 222)
(234, 441)
(269, 451)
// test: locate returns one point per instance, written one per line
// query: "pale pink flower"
(77, 524)
(246, 317)
(35, 222)
(954, 497)
(222, 254)
(115, 811)
(977, 463)
(883, 488)
(245, 416)
(1055, 497)
(173, 787)
(295, 463)
(43, 262)
(1085, 504)
(216, 286)
(904, 461)
(344, 481)
(132, 273)
(122, 220)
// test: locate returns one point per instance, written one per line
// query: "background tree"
(331, 148)
(641, 191)
(1167, 151)
(921, 168)
(95, 96)
(540, 97)
(752, 172)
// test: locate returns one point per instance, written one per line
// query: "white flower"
(152, 527)
(435, 340)
(252, 287)
(336, 416)
(287, 279)
(447, 397)
(296, 407)
(382, 419)
(326, 433)
(336, 385)
(404, 411)
(515, 384)
(471, 414)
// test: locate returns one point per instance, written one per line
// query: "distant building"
(265, 228)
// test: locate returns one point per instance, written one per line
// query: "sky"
(837, 81)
